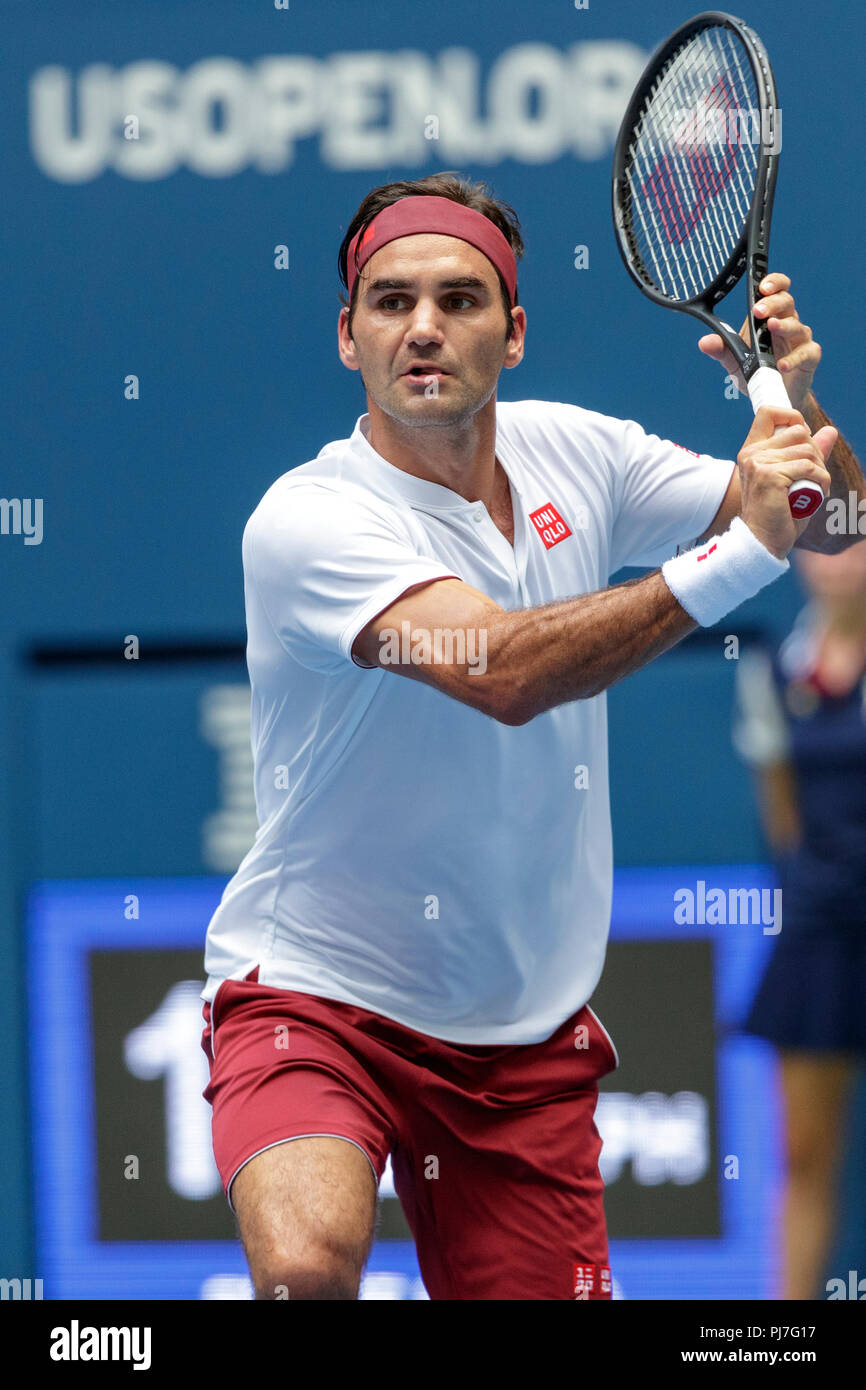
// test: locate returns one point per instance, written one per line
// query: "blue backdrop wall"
(154, 257)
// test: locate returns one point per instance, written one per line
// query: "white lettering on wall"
(534, 103)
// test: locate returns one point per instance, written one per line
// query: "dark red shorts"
(494, 1150)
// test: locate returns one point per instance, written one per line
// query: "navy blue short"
(813, 992)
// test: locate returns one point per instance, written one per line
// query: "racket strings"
(687, 187)
(692, 164)
(708, 169)
(684, 184)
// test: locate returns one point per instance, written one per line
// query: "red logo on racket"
(549, 525)
(683, 187)
(801, 502)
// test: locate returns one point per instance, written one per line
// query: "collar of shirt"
(420, 492)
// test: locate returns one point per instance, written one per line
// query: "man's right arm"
(529, 661)
(537, 658)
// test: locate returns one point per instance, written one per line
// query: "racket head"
(692, 188)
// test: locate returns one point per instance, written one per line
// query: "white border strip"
(606, 1033)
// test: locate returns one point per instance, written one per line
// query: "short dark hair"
(475, 195)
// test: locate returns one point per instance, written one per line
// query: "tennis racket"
(694, 177)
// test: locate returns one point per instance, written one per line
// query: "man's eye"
(396, 301)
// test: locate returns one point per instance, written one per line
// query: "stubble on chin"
(439, 412)
(432, 413)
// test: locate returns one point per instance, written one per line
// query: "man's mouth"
(425, 369)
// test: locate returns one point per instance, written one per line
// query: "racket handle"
(804, 499)
(766, 387)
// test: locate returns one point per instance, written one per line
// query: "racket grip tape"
(766, 387)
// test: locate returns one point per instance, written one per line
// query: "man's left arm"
(797, 357)
(830, 529)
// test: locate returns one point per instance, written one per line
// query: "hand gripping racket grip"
(766, 387)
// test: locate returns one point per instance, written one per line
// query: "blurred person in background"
(801, 725)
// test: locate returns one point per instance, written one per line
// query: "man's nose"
(425, 325)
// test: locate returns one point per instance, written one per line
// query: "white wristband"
(722, 573)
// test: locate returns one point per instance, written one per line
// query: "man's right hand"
(768, 463)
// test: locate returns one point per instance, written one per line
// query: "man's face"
(433, 302)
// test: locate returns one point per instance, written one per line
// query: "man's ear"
(515, 345)
(345, 344)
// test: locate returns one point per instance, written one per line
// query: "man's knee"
(306, 1215)
(318, 1273)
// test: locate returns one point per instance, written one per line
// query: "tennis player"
(402, 963)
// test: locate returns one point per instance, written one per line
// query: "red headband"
(414, 214)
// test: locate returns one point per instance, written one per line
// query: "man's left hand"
(797, 353)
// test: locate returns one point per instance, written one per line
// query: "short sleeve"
(760, 730)
(324, 563)
(669, 496)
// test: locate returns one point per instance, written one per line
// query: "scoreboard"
(128, 1200)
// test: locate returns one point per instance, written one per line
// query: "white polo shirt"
(414, 856)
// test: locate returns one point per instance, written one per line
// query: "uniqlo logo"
(585, 1280)
(549, 525)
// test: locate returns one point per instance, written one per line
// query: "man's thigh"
(306, 1211)
(488, 1225)
(301, 1132)
(500, 1181)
